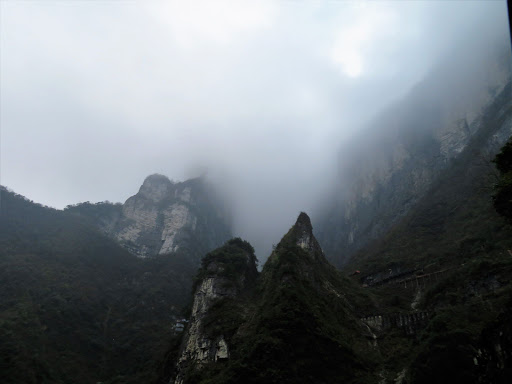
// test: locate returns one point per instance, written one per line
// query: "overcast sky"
(96, 95)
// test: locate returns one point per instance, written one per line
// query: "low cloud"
(97, 95)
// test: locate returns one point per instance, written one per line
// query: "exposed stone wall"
(200, 346)
(199, 349)
(165, 216)
(176, 218)
(411, 144)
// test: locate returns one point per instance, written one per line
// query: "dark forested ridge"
(502, 197)
(75, 306)
(298, 322)
(302, 321)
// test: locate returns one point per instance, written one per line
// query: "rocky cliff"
(226, 274)
(301, 321)
(404, 151)
(164, 217)
(295, 323)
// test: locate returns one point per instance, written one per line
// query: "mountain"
(163, 217)
(428, 302)
(412, 220)
(227, 275)
(296, 322)
(455, 221)
(100, 292)
(301, 321)
(402, 155)
(76, 305)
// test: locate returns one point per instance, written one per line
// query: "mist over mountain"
(176, 142)
(261, 95)
(398, 157)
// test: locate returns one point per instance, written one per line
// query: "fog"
(95, 96)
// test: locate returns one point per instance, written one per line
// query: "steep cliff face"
(164, 217)
(226, 274)
(303, 232)
(402, 154)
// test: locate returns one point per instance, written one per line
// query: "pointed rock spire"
(302, 235)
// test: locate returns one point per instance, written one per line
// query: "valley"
(344, 213)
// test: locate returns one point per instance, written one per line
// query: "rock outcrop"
(302, 232)
(301, 321)
(294, 323)
(165, 217)
(404, 151)
(226, 273)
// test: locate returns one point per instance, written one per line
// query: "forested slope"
(74, 305)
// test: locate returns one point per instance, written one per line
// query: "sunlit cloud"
(195, 22)
(96, 95)
(363, 29)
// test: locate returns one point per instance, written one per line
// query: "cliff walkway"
(407, 281)
(409, 322)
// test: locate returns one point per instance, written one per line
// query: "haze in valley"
(96, 95)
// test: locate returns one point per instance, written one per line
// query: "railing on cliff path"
(409, 322)
(415, 281)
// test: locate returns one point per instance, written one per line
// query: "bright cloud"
(96, 95)
(363, 28)
(194, 22)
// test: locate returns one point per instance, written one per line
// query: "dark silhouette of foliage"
(502, 198)
(75, 306)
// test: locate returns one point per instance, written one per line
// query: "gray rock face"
(200, 346)
(156, 187)
(165, 217)
(408, 148)
(304, 238)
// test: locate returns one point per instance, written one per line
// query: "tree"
(502, 198)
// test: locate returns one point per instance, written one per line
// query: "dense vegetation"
(76, 307)
(234, 263)
(233, 258)
(295, 331)
(304, 332)
(455, 221)
(298, 326)
(454, 228)
(502, 197)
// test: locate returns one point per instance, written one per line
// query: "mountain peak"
(304, 238)
(155, 187)
(301, 235)
(304, 223)
(157, 178)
